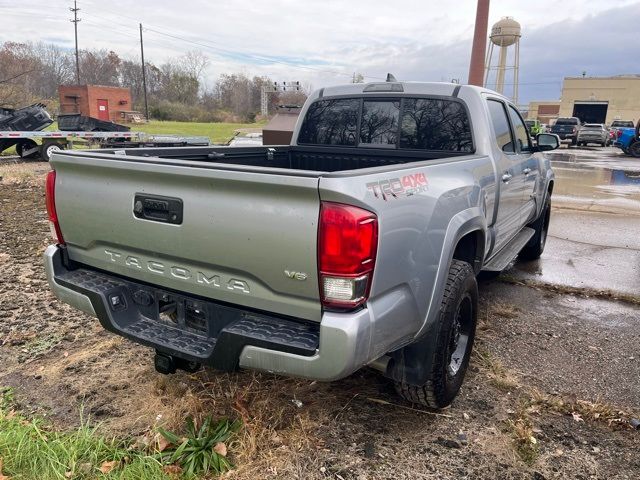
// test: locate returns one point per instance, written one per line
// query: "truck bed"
(312, 158)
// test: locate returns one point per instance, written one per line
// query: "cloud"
(324, 42)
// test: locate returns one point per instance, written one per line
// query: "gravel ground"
(550, 390)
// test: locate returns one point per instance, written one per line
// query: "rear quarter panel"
(421, 210)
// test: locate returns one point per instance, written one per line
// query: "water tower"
(504, 34)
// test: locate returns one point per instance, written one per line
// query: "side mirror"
(547, 141)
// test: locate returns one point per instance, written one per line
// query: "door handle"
(506, 177)
(526, 171)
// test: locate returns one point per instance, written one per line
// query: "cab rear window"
(407, 123)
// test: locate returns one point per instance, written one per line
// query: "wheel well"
(470, 249)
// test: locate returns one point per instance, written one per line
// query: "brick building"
(105, 103)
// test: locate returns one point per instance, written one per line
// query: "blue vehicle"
(629, 140)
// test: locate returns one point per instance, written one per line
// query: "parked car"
(534, 127)
(629, 140)
(358, 244)
(567, 129)
(593, 133)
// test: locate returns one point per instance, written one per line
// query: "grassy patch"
(203, 449)
(39, 346)
(218, 132)
(577, 291)
(497, 373)
(580, 410)
(504, 310)
(31, 450)
(524, 441)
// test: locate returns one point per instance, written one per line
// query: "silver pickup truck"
(358, 244)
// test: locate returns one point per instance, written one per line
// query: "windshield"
(593, 126)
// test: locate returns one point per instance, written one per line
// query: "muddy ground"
(553, 382)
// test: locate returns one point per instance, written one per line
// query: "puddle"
(597, 178)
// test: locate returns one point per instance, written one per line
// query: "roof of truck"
(416, 88)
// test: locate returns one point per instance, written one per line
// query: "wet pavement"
(594, 235)
(603, 180)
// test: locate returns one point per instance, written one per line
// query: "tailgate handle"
(158, 208)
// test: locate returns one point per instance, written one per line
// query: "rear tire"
(455, 327)
(535, 246)
(634, 149)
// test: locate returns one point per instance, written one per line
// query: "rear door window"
(431, 124)
(331, 122)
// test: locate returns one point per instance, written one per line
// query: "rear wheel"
(455, 332)
(634, 149)
(535, 246)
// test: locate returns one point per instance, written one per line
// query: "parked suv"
(593, 133)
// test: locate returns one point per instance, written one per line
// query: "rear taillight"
(50, 195)
(347, 245)
(574, 129)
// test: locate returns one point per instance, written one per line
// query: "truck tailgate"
(245, 237)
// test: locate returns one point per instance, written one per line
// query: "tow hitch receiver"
(167, 364)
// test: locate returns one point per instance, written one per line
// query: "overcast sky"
(324, 42)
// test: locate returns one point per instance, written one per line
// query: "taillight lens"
(574, 129)
(50, 195)
(347, 245)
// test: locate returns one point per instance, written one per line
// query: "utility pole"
(75, 21)
(478, 50)
(144, 77)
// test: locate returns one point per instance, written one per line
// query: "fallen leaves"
(172, 470)
(106, 467)
(220, 448)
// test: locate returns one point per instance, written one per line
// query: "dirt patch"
(61, 363)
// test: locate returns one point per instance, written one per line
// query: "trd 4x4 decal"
(399, 186)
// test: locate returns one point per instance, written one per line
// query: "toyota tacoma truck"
(358, 244)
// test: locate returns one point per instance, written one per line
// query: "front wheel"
(535, 246)
(455, 332)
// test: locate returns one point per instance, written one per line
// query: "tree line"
(176, 89)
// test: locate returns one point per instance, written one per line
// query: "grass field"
(217, 132)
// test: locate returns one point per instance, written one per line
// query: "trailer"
(43, 144)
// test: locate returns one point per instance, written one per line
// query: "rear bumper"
(217, 335)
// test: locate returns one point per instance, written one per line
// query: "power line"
(255, 56)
